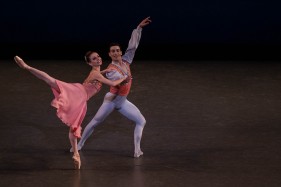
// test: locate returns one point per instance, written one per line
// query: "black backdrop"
(181, 30)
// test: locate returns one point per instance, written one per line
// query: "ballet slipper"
(76, 161)
(138, 154)
(20, 62)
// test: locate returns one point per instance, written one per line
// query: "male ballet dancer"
(117, 97)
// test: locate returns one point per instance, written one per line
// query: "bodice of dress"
(92, 88)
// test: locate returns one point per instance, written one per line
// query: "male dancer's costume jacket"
(124, 88)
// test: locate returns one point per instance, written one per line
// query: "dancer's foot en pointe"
(76, 161)
(20, 62)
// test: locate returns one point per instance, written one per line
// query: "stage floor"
(208, 124)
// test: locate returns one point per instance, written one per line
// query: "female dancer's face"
(95, 59)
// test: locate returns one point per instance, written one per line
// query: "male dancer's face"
(115, 53)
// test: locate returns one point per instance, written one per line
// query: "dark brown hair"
(113, 44)
(87, 56)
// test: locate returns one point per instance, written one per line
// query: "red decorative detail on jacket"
(124, 88)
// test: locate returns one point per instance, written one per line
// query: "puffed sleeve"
(133, 45)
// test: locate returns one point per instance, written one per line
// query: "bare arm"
(107, 70)
(98, 76)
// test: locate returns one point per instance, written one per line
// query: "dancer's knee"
(142, 122)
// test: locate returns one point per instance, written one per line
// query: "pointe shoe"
(76, 161)
(20, 62)
(138, 154)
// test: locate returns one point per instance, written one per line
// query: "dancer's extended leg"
(129, 110)
(39, 74)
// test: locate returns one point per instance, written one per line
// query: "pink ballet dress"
(71, 102)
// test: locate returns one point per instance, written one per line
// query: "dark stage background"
(213, 122)
(181, 30)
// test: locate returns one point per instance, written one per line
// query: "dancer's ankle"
(76, 154)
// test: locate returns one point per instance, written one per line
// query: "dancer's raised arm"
(134, 41)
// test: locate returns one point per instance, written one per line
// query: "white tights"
(123, 106)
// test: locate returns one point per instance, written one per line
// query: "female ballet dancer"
(71, 98)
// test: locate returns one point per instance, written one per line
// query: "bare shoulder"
(94, 73)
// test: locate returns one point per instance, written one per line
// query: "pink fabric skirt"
(71, 104)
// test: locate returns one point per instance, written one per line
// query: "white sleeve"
(113, 75)
(133, 45)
